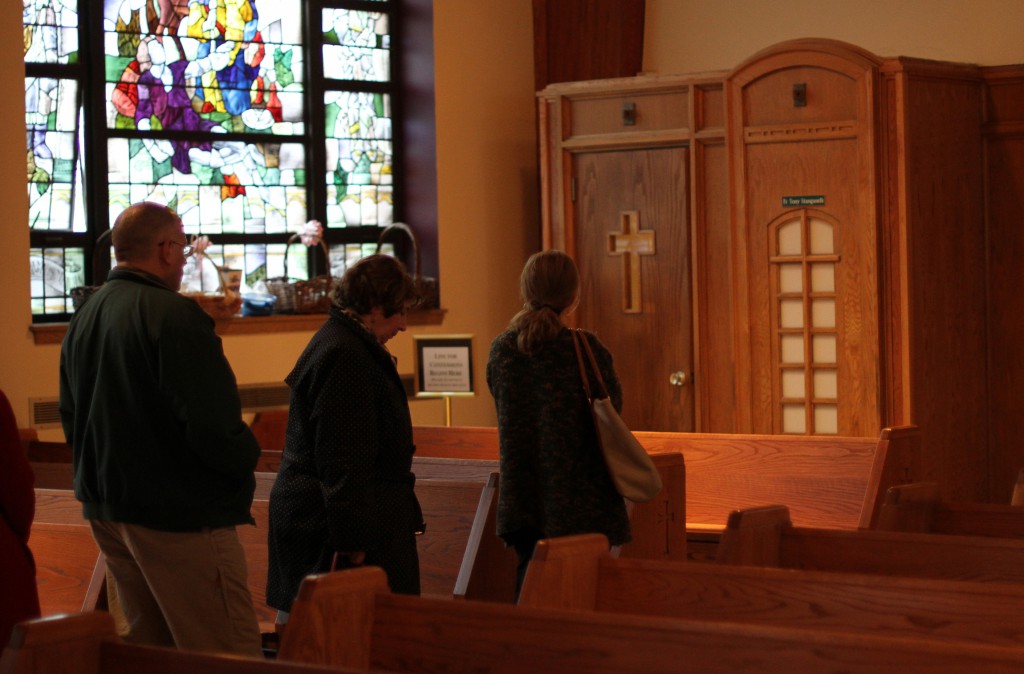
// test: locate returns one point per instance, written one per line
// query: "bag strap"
(577, 337)
(579, 360)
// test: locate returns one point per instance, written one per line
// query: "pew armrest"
(66, 643)
(326, 602)
(909, 507)
(754, 536)
(564, 572)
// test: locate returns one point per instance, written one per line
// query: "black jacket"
(150, 407)
(345, 482)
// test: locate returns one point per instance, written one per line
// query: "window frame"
(407, 47)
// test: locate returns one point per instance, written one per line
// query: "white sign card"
(444, 365)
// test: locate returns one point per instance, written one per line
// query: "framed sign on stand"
(444, 368)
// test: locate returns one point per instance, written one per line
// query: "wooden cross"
(631, 243)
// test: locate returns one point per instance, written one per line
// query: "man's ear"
(163, 252)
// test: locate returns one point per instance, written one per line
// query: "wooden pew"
(51, 463)
(917, 507)
(766, 537)
(828, 481)
(450, 501)
(402, 633)
(460, 554)
(86, 643)
(66, 557)
(66, 554)
(577, 573)
(69, 571)
(70, 577)
(658, 527)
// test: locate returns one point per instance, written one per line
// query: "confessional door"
(631, 239)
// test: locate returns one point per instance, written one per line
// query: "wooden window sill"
(53, 333)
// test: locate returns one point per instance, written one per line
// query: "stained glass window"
(51, 31)
(359, 158)
(358, 121)
(356, 45)
(52, 131)
(215, 108)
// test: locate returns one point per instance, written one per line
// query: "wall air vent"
(44, 412)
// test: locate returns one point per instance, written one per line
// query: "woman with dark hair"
(344, 492)
(553, 480)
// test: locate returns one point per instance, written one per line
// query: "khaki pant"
(187, 590)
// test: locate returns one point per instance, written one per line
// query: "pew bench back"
(417, 634)
(86, 643)
(919, 507)
(577, 573)
(828, 481)
(766, 537)
(66, 554)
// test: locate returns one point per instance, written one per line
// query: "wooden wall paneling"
(894, 259)
(712, 290)
(587, 40)
(1004, 169)
(945, 231)
(716, 320)
(545, 165)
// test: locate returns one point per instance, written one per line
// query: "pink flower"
(311, 233)
(199, 244)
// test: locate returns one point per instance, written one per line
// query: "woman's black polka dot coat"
(345, 482)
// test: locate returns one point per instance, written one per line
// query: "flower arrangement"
(221, 303)
(311, 233)
(199, 244)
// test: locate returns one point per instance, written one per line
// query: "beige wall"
(487, 178)
(684, 36)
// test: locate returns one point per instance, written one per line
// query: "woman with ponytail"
(553, 480)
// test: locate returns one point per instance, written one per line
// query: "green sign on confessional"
(815, 200)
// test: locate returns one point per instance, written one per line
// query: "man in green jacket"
(163, 461)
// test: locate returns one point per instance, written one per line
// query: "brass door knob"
(678, 378)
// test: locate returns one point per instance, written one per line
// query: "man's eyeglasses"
(186, 250)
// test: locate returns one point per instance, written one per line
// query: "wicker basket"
(426, 286)
(311, 296)
(80, 294)
(223, 304)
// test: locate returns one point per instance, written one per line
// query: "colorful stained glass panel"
(51, 31)
(235, 68)
(356, 45)
(53, 272)
(359, 159)
(215, 187)
(53, 154)
(257, 262)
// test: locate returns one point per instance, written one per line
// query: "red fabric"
(17, 507)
